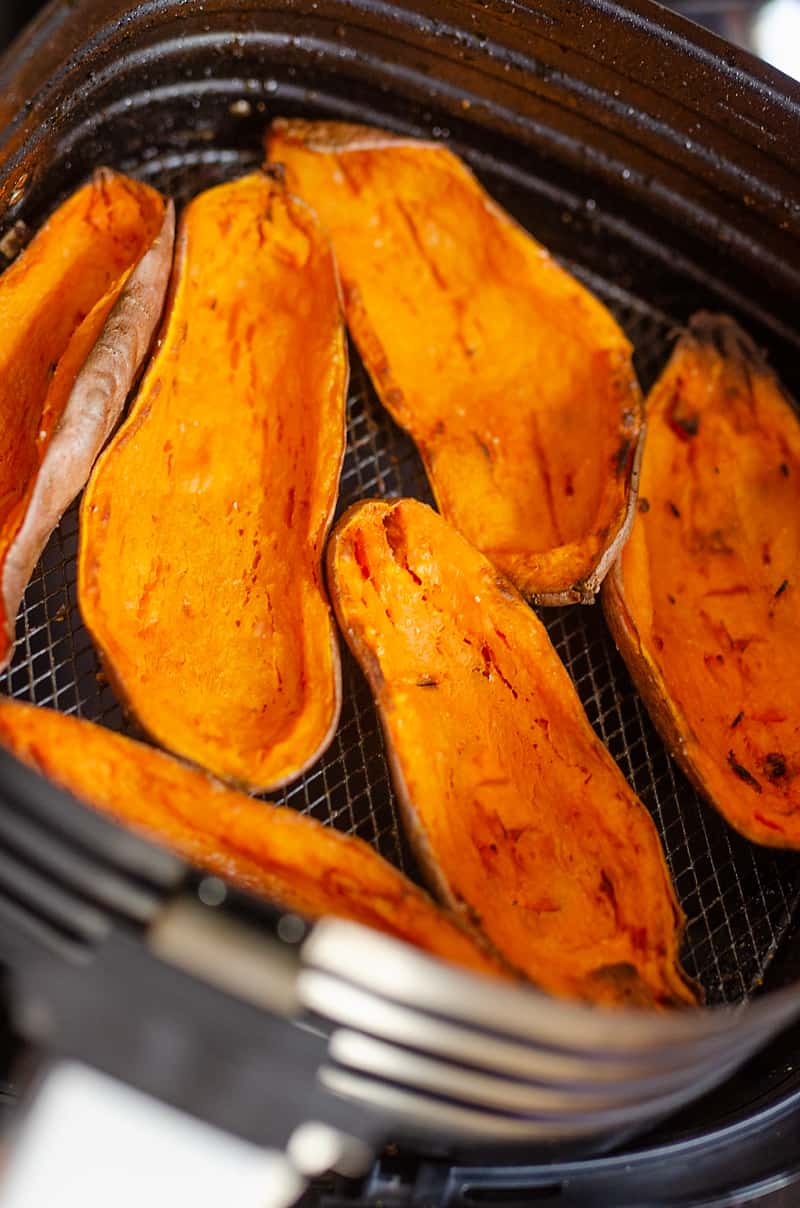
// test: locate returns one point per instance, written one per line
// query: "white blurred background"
(770, 28)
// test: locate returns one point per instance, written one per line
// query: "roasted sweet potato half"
(78, 309)
(518, 814)
(203, 525)
(274, 852)
(514, 381)
(704, 603)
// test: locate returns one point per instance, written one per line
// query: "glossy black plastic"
(648, 151)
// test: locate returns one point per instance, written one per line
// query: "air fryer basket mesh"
(738, 899)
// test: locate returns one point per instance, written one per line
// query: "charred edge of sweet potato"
(724, 335)
(586, 590)
(740, 352)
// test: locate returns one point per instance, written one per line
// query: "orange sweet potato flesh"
(704, 604)
(271, 851)
(77, 312)
(517, 812)
(203, 525)
(514, 381)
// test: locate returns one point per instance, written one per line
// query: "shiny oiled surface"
(270, 851)
(54, 300)
(204, 522)
(519, 815)
(738, 897)
(515, 382)
(705, 604)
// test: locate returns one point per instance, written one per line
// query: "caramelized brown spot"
(741, 771)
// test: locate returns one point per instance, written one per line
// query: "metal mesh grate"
(738, 898)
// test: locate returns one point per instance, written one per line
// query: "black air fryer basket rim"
(766, 145)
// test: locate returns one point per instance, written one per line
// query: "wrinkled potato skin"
(78, 310)
(276, 853)
(203, 525)
(517, 812)
(704, 603)
(514, 381)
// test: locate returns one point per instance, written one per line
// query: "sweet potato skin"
(203, 525)
(78, 310)
(514, 381)
(703, 603)
(270, 851)
(517, 812)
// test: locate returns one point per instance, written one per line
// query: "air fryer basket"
(662, 170)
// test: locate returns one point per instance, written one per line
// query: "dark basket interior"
(738, 899)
